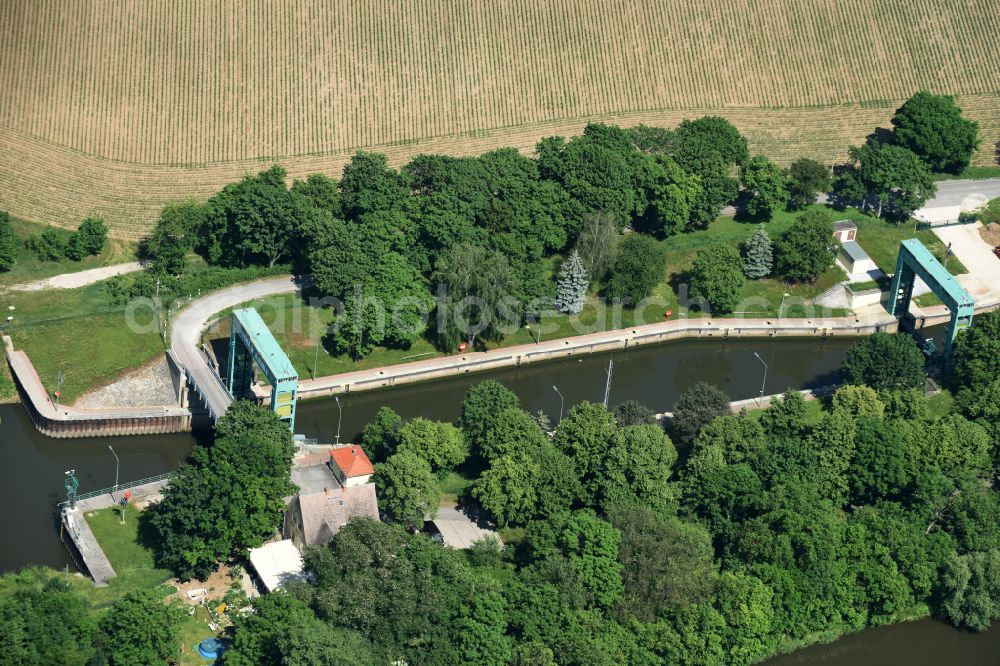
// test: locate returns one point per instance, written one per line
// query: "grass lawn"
(881, 239)
(76, 332)
(7, 389)
(134, 565)
(29, 267)
(132, 561)
(927, 300)
(940, 404)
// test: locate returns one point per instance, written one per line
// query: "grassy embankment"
(136, 570)
(298, 326)
(28, 267)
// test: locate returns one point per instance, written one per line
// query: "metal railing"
(120, 486)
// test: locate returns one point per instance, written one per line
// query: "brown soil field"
(112, 108)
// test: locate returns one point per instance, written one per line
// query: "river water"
(32, 466)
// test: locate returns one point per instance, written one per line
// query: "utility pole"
(607, 386)
(340, 416)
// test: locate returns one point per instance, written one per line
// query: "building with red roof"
(351, 466)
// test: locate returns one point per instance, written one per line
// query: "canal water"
(32, 465)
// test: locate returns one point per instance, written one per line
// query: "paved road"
(949, 193)
(80, 278)
(185, 334)
(983, 279)
(954, 192)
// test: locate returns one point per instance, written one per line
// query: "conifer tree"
(759, 254)
(573, 283)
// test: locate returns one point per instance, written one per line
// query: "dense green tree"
(478, 296)
(977, 353)
(322, 191)
(283, 630)
(671, 195)
(636, 468)
(746, 605)
(808, 247)
(880, 468)
(766, 186)
(894, 178)
(696, 407)
(983, 407)
(638, 268)
(573, 284)
(49, 245)
(785, 417)
(253, 221)
(666, 562)
(511, 430)
(858, 401)
(709, 148)
(509, 488)
(633, 412)
(585, 434)
(140, 628)
(43, 621)
(407, 489)
(969, 589)
(88, 240)
(717, 276)
(758, 254)
(368, 185)
(933, 128)
(806, 179)
(481, 409)
(885, 361)
(737, 435)
(173, 237)
(380, 436)
(8, 243)
(589, 545)
(441, 444)
(597, 244)
(227, 497)
(600, 169)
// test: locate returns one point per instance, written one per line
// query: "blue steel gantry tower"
(251, 342)
(916, 261)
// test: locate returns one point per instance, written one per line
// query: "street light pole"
(561, 402)
(763, 383)
(340, 416)
(117, 465)
(781, 308)
(316, 357)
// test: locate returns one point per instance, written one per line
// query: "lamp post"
(561, 402)
(781, 308)
(117, 465)
(340, 416)
(763, 383)
(316, 358)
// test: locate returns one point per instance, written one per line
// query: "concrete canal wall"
(61, 421)
(604, 341)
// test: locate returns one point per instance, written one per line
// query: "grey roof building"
(323, 505)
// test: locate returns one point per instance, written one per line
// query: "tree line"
(485, 226)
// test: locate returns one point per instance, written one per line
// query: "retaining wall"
(62, 421)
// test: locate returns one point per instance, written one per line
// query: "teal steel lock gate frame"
(251, 342)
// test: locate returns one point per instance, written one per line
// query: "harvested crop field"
(112, 108)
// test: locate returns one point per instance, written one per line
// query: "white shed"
(854, 259)
(277, 563)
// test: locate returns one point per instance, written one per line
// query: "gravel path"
(149, 386)
(78, 279)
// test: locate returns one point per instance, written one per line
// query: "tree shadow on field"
(881, 135)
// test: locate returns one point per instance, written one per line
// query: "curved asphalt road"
(185, 334)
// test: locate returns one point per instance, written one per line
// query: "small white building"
(845, 230)
(854, 259)
(277, 563)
